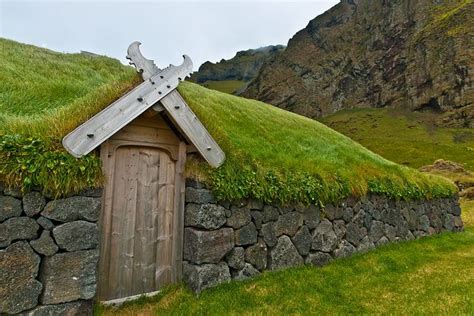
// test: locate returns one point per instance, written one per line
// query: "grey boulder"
(45, 244)
(247, 272)
(73, 208)
(33, 203)
(207, 246)
(9, 207)
(324, 237)
(70, 276)
(200, 277)
(207, 216)
(16, 228)
(19, 289)
(77, 235)
(284, 255)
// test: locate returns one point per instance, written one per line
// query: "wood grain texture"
(146, 66)
(141, 222)
(185, 119)
(104, 124)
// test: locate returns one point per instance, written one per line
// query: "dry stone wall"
(226, 241)
(48, 253)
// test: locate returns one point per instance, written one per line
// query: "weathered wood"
(185, 119)
(146, 66)
(140, 214)
(147, 134)
(120, 301)
(178, 225)
(99, 128)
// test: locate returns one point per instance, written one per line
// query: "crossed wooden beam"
(158, 91)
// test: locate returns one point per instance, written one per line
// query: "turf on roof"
(271, 154)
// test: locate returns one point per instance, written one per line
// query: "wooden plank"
(165, 218)
(120, 301)
(147, 134)
(155, 121)
(108, 163)
(146, 66)
(192, 128)
(145, 228)
(99, 128)
(178, 220)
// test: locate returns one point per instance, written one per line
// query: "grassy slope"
(271, 154)
(433, 275)
(227, 86)
(409, 138)
(266, 145)
(45, 92)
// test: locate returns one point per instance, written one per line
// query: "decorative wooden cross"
(158, 91)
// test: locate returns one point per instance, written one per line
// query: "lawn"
(433, 275)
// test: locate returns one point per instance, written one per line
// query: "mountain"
(233, 74)
(415, 55)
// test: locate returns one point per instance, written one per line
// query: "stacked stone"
(48, 253)
(238, 240)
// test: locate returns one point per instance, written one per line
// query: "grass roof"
(272, 154)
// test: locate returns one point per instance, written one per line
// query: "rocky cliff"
(243, 67)
(362, 53)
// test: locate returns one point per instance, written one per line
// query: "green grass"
(410, 138)
(431, 276)
(277, 155)
(47, 93)
(227, 86)
(271, 154)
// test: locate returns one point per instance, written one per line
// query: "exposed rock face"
(19, 290)
(360, 53)
(244, 66)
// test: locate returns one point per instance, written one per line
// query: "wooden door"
(142, 217)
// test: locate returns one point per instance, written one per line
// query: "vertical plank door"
(137, 225)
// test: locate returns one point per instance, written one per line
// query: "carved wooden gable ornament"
(158, 91)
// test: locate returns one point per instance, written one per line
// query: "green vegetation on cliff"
(271, 154)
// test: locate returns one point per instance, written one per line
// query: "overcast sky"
(205, 30)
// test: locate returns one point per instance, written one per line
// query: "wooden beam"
(99, 128)
(185, 119)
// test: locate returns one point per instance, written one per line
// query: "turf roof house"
(144, 138)
(291, 191)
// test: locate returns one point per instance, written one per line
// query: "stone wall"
(48, 253)
(224, 241)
